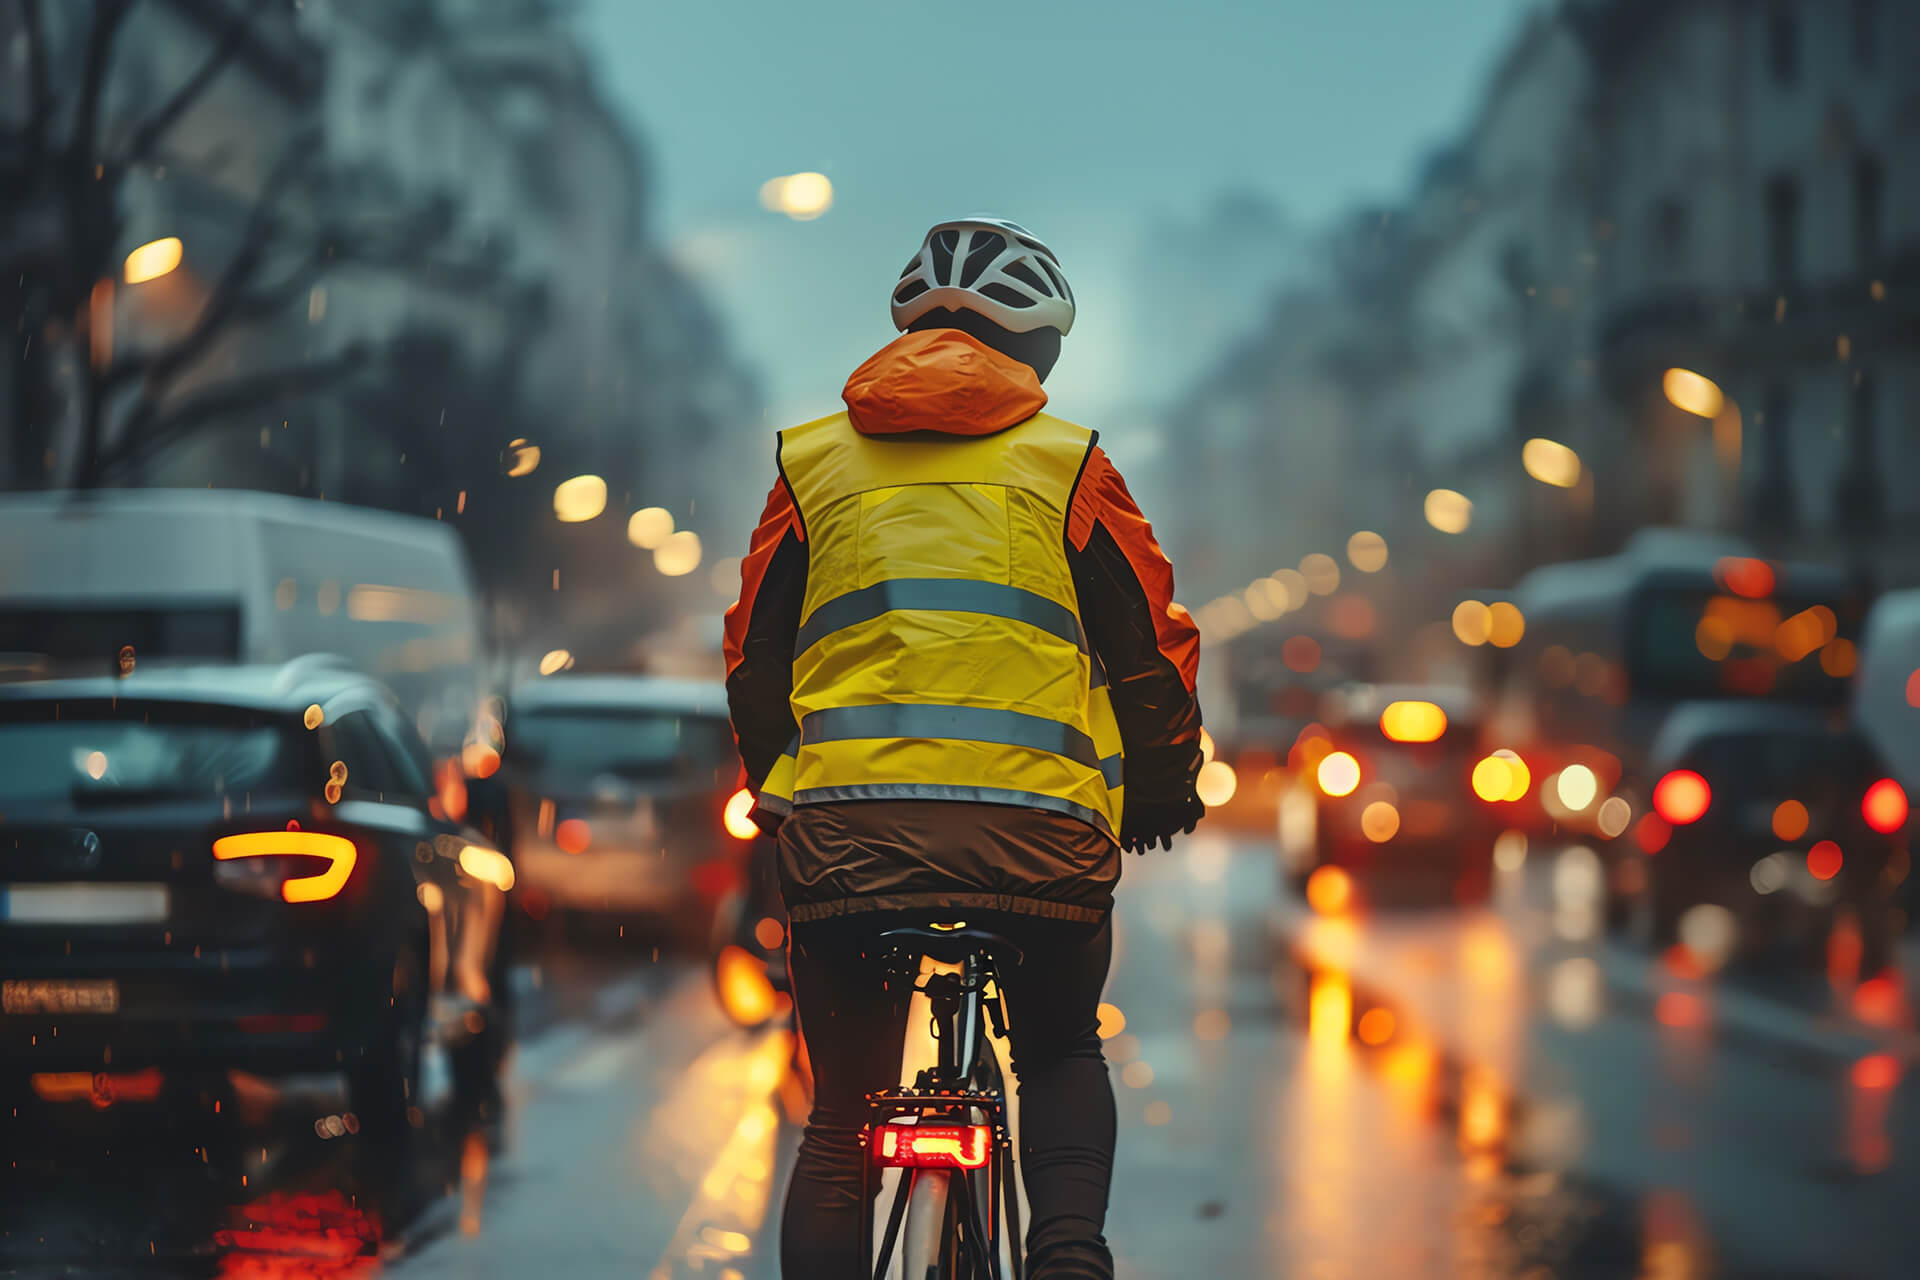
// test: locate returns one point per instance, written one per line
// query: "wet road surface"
(1421, 1094)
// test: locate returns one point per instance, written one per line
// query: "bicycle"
(949, 1130)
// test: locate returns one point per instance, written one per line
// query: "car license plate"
(83, 903)
(60, 995)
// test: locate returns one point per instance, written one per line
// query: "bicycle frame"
(943, 1093)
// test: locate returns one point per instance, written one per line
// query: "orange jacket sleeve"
(760, 632)
(1148, 644)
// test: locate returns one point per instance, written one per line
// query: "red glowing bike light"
(1885, 806)
(1682, 797)
(932, 1146)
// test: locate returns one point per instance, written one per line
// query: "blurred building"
(1724, 187)
(455, 301)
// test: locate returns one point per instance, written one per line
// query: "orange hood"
(941, 380)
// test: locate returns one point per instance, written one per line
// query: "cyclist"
(955, 652)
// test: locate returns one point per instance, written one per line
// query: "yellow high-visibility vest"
(940, 654)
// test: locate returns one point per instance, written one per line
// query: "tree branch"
(149, 430)
(228, 291)
(108, 17)
(155, 127)
(36, 80)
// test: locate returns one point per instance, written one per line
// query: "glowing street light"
(1551, 462)
(1367, 551)
(648, 527)
(1694, 393)
(1449, 511)
(153, 259)
(801, 196)
(678, 555)
(578, 499)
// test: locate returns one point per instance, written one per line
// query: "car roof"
(1691, 723)
(289, 686)
(623, 693)
(1363, 702)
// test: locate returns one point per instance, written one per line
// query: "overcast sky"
(1087, 120)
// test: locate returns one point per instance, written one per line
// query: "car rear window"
(1783, 759)
(577, 745)
(92, 756)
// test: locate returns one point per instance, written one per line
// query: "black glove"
(1149, 823)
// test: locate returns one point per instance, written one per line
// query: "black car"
(233, 868)
(1781, 814)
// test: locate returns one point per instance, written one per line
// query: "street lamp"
(1693, 392)
(153, 259)
(1551, 462)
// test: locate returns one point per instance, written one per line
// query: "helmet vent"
(1005, 294)
(1053, 274)
(910, 290)
(943, 246)
(1037, 247)
(1028, 276)
(986, 247)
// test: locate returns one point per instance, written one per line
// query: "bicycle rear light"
(932, 1146)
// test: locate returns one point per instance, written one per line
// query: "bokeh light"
(1472, 622)
(1449, 511)
(679, 555)
(1367, 551)
(154, 259)
(801, 196)
(1321, 572)
(1693, 392)
(648, 527)
(1338, 774)
(579, 499)
(1551, 462)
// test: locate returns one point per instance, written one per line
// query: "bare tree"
(74, 395)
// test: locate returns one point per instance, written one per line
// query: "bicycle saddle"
(951, 946)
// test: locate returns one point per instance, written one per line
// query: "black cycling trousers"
(854, 1029)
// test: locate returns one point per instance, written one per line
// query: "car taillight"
(1682, 797)
(1885, 806)
(288, 865)
(932, 1146)
(738, 815)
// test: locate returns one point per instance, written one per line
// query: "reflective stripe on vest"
(940, 653)
(960, 724)
(953, 595)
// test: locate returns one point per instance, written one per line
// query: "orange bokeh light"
(1682, 797)
(1300, 653)
(1823, 860)
(1329, 891)
(1651, 833)
(573, 835)
(1876, 1071)
(1885, 806)
(1377, 1026)
(1745, 576)
(1679, 1009)
(1789, 820)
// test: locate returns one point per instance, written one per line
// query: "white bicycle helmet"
(989, 266)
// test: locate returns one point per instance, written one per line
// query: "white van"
(239, 576)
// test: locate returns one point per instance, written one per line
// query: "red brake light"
(1885, 806)
(1682, 797)
(932, 1146)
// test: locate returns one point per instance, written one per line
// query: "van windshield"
(70, 634)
